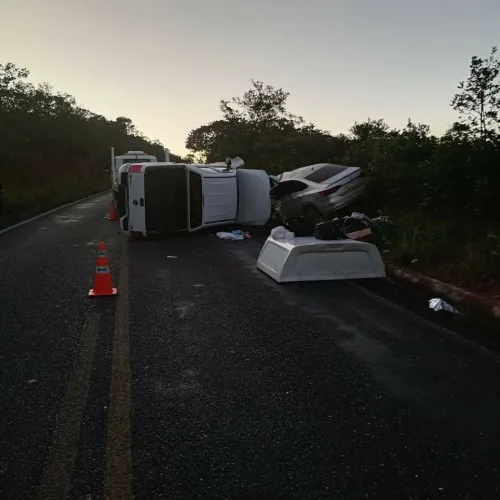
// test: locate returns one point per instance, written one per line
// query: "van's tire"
(313, 215)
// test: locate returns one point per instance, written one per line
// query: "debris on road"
(305, 258)
(279, 233)
(300, 225)
(236, 235)
(329, 231)
(300, 250)
(171, 256)
(441, 305)
(358, 216)
(356, 235)
(357, 226)
(354, 227)
(222, 235)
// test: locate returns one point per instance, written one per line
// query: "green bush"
(463, 251)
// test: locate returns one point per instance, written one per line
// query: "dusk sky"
(166, 63)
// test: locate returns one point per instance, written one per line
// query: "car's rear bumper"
(339, 202)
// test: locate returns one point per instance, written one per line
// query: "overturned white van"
(162, 198)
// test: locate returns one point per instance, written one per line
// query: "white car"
(326, 189)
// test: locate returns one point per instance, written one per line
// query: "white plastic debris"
(382, 218)
(441, 305)
(171, 256)
(358, 216)
(356, 235)
(279, 233)
(229, 236)
(237, 162)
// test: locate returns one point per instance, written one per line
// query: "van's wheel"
(313, 215)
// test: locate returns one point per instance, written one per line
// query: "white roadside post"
(112, 168)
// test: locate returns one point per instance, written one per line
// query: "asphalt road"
(205, 379)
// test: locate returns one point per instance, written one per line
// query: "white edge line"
(51, 211)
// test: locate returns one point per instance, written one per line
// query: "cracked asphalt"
(206, 379)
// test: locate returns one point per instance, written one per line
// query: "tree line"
(53, 151)
(408, 168)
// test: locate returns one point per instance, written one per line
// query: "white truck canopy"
(128, 157)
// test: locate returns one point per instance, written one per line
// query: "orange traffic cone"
(103, 285)
(112, 212)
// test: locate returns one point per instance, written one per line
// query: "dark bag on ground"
(300, 225)
(329, 230)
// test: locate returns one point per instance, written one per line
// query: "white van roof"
(132, 155)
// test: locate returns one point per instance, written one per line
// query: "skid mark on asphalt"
(83, 206)
(67, 219)
(186, 386)
(57, 475)
(118, 475)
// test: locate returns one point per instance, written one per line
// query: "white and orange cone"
(112, 212)
(103, 286)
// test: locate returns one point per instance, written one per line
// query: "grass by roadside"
(24, 201)
(459, 252)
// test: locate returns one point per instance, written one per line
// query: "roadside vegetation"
(441, 193)
(51, 150)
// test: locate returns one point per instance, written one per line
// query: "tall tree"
(259, 128)
(478, 101)
(262, 104)
(125, 125)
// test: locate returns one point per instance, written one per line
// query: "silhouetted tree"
(478, 101)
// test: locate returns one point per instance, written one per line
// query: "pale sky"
(166, 63)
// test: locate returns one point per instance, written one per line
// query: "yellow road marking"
(118, 475)
(58, 472)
